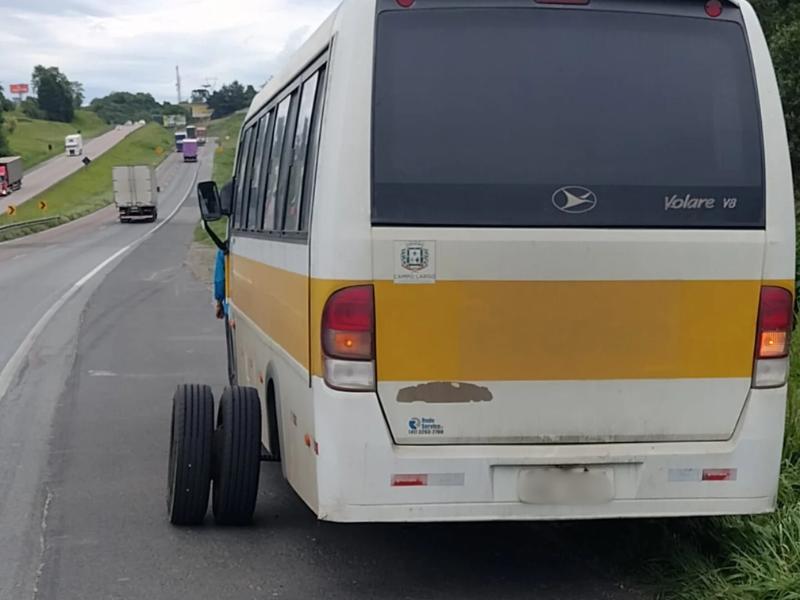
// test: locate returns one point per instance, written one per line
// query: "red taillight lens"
(775, 316)
(348, 323)
(714, 8)
(405, 3)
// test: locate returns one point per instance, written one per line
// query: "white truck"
(74, 144)
(135, 192)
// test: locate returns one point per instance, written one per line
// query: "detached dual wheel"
(237, 456)
(190, 454)
(229, 456)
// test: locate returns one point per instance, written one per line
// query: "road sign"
(42, 205)
(159, 150)
(220, 149)
(18, 88)
(11, 210)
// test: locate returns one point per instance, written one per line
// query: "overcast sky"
(134, 45)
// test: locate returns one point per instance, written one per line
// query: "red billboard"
(18, 88)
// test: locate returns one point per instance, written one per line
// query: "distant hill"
(36, 141)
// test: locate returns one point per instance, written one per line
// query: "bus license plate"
(570, 486)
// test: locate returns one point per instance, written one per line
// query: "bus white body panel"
(557, 372)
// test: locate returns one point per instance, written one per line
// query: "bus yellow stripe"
(522, 330)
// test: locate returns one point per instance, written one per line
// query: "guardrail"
(43, 221)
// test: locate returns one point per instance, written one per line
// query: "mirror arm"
(214, 238)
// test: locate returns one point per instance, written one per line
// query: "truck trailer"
(202, 135)
(73, 144)
(189, 150)
(135, 193)
(191, 131)
(10, 174)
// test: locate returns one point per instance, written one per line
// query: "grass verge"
(219, 227)
(725, 558)
(36, 141)
(91, 188)
(227, 133)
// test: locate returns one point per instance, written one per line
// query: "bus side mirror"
(226, 199)
(209, 199)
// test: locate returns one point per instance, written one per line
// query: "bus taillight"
(775, 316)
(348, 339)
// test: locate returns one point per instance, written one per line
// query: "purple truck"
(190, 150)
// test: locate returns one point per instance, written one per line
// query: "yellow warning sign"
(220, 150)
(159, 150)
(42, 205)
(11, 210)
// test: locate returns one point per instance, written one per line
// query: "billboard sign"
(18, 88)
(174, 120)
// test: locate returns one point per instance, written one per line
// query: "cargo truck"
(135, 193)
(202, 134)
(10, 174)
(73, 144)
(191, 131)
(189, 150)
(179, 137)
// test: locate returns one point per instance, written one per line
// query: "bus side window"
(263, 181)
(313, 151)
(255, 169)
(299, 153)
(238, 211)
(273, 171)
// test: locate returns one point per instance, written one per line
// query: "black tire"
(237, 456)
(190, 459)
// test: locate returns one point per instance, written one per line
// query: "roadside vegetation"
(36, 140)
(227, 133)
(91, 188)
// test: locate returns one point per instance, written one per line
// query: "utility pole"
(178, 82)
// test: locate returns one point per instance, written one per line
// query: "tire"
(190, 459)
(237, 456)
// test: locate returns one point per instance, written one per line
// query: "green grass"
(723, 558)
(219, 227)
(227, 133)
(90, 189)
(31, 137)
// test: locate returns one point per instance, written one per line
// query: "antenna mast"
(178, 82)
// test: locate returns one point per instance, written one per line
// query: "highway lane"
(35, 273)
(54, 170)
(96, 395)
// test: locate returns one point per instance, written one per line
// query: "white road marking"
(14, 364)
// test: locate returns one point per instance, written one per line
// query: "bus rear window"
(540, 117)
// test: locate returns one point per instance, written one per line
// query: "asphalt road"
(84, 433)
(35, 181)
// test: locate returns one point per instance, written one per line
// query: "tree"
(120, 107)
(781, 22)
(230, 98)
(54, 93)
(5, 150)
(78, 95)
(5, 104)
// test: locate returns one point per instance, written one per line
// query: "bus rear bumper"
(363, 477)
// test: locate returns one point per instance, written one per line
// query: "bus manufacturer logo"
(574, 200)
(414, 257)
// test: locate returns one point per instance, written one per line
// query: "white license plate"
(566, 486)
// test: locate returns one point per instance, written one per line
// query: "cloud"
(136, 44)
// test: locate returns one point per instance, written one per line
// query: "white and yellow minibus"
(505, 260)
